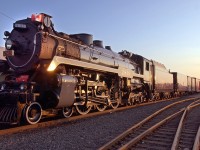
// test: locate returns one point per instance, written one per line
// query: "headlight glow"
(3, 87)
(23, 87)
(9, 44)
(52, 66)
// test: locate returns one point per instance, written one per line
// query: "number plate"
(8, 53)
(21, 26)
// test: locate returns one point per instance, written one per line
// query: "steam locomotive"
(49, 72)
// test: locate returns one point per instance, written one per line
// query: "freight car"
(197, 85)
(55, 73)
(180, 84)
(189, 84)
(193, 85)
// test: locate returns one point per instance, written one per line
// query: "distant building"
(1, 53)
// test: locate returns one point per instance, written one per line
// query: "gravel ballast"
(90, 133)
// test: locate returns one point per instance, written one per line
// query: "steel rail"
(180, 126)
(148, 131)
(74, 118)
(196, 145)
(127, 132)
(153, 128)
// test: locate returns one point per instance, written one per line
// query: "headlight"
(9, 44)
(3, 87)
(23, 87)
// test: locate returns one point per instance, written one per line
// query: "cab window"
(147, 66)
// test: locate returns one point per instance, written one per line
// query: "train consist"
(49, 72)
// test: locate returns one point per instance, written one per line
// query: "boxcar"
(193, 84)
(197, 85)
(180, 83)
(189, 84)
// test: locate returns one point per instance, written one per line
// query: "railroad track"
(188, 131)
(165, 129)
(51, 123)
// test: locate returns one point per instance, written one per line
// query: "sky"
(167, 31)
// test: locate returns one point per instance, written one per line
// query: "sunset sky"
(166, 31)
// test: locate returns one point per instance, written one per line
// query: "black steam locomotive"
(52, 72)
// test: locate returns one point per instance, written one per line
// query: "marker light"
(38, 18)
(22, 78)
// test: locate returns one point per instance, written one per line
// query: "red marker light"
(22, 78)
(33, 17)
(38, 18)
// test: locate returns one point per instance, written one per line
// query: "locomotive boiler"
(54, 73)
